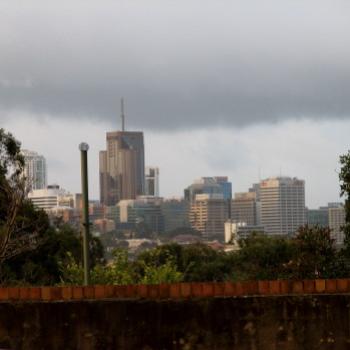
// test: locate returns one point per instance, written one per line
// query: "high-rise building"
(122, 167)
(51, 197)
(244, 209)
(144, 211)
(204, 185)
(175, 212)
(152, 181)
(282, 205)
(225, 185)
(317, 217)
(208, 214)
(35, 170)
(336, 218)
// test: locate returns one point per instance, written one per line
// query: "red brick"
(142, 290)
(131, 291)
(174, 291)
(239, 288)
(121, 291)
(67, 293)
(207, 290)
(164, 291)
(309, 286)
(274, 287)
(186, 290)
(219, 289)
(153, 291)
(46, 293)
(263, 287)
(284, 287)
(4, 294)
(342, 285)
(13, 293)
(108, 290)
(250, 287)
(24, 293)
(197, 290)
(331, 286)
(35, 293)
(297, 287)
(229, 289)
(100, 292)
(88, 292)
(77, 292)
(320, 286)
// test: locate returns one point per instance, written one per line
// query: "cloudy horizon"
(220, 88)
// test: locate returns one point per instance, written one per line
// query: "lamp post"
(84, 147)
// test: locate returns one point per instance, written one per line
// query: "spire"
(122, 114)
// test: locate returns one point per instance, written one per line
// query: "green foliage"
(315, 254)
(344, 177)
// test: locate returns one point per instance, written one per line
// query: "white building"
(35, 170)
(152, 181)
(51, 197)
(282, 205)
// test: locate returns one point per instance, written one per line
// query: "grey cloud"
(179, 64)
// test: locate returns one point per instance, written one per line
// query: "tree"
(21, 225)
(344, 177)
(315, 254)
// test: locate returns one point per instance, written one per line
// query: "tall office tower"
(282, 205)
(204, 185)
(243, 208)
(152, 181)
(35, 170)
(226, 186)
(122, 166)
(336, 219)
(175, 212)
(208, 214)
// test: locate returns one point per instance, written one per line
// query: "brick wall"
(176, 290)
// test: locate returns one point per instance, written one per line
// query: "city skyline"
(233, 88)
(179, 193)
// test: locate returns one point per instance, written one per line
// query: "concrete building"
(244, 208)
(51, 197)
(282, 205)
(122, 167)
(336, 218)
(144, 212)
(225, 185)
(317, 217)
(237, 230)
(208, 213)
(204, 185)
(175, 213)
(152, 181)
(35, 170)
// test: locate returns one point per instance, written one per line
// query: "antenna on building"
(122, 113)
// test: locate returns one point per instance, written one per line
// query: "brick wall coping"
(176, 290)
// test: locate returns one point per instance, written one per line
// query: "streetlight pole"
(84, 147)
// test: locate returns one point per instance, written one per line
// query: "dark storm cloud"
(179, 64)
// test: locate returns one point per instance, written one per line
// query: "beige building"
(122, 167)
(336, 219)
(282, 205)
(243, 208)
(208, 213)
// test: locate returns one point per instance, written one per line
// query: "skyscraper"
(35, 170)
(122, 166)
(208, 214)
(152, 181)
(282, 205)
(243, 208)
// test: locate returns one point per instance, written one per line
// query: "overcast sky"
(244, 88)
